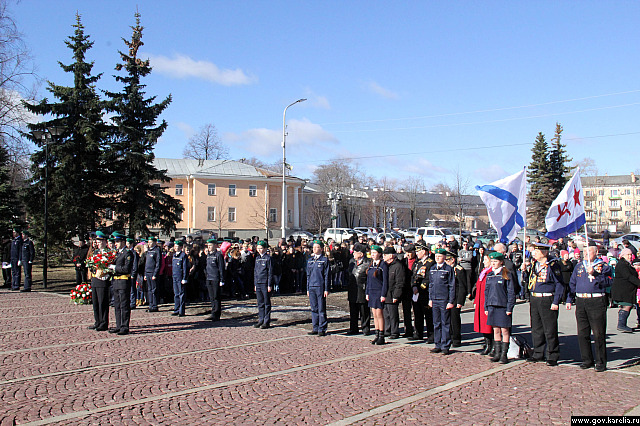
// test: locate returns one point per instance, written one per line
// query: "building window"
(289, 216)
(637, 191)
(232, 190)
(253, 190)
(627, 202)
(181, 216)
(211, 189)
(615, 203)
(273, 215)
(156, 185)
(627, 213)
(588, 193)
(589, 215)
(627, 191)
(211, 214)
(614, 192)
(178, 189)
(600, 203)
(614, 213)
(628, 224)
(638, 213)
(232, 214)
(231, 234)
(601, 192)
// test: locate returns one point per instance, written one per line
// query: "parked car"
(431, 235)
(634, 240)
(388, 236)
(302, 234)
(369, 232)
(339, 234)
(410, 233)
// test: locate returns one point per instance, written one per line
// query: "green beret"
(101, 235)
(496, 255)
(440, 251)
(179, 243)
(118, 236)
(154, 239)
(263, 243)
(131, 240)
(376, 248)
(27, 233)
(318, 242)
(143, 240)
(212, 241)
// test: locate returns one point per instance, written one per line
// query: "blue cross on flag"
(506, 204)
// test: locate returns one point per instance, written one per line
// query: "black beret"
(389, 250)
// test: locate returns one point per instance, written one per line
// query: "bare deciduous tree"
(18, 83)
(413, 186)
(206, 145)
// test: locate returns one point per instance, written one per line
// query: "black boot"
(488, 345)
(380, 340)
(622, 321)
(492, 352)
(375, 339)
(497, 346)
(505, 349)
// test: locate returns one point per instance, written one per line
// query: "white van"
(339, 234)
(431, 235)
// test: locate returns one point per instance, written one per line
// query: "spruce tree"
(539, 177)
(558, 162)
(138, 203)
(10, 207)
(74, 159)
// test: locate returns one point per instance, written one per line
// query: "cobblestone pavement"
(171, 370)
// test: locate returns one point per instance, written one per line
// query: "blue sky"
(421, 88)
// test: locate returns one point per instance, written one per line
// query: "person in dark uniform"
(263, 285)
(152, 272)
(460, 298)
(377, 288)
(16, 251)
(121, 284)
(546, 288)
(79, 257)
(318, 288)
(407, 261)
(422, 312)
(500, 298)
(356, 290)
(214, 272)
(100, 284)
(442, 291)
(27, 255)
(394, 293)
(587, 289)
(6, 260)
(134, 273)
(180, 274)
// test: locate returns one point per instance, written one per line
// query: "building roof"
(618, 180)
(179, 167)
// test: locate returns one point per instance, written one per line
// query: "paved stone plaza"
(173, 370)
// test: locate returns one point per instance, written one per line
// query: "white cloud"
(316, 100)
(301, 134)
(374, 87)
(490, 173)
(187, 129)
(182, 66)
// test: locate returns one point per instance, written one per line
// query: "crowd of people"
(429, 284)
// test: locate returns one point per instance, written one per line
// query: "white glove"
(221, 283)
(29, 262)
(112, 267)
(19, 263)
(184, 281)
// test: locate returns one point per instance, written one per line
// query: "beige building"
(611, 202)
(231, 199)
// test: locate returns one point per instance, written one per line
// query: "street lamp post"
(284, 167)
(46, 136)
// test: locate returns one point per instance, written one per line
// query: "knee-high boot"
(497, 346)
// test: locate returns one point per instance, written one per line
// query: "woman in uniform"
(500, 298)
(377, 287)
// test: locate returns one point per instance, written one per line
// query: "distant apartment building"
(231, 198)
(611, 202)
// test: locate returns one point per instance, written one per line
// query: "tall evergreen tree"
(558, 162)
(137, 202)
(74, 160)
(539, 177)
(10, 207)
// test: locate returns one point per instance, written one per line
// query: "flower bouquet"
(81, 295)
(99, 263)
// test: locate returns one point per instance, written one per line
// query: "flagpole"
(524, 236)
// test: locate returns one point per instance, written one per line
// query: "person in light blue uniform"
(442, 294)
(263, 282)
(318, 288)
(180, 266)
(27, 255)
(151, 273)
